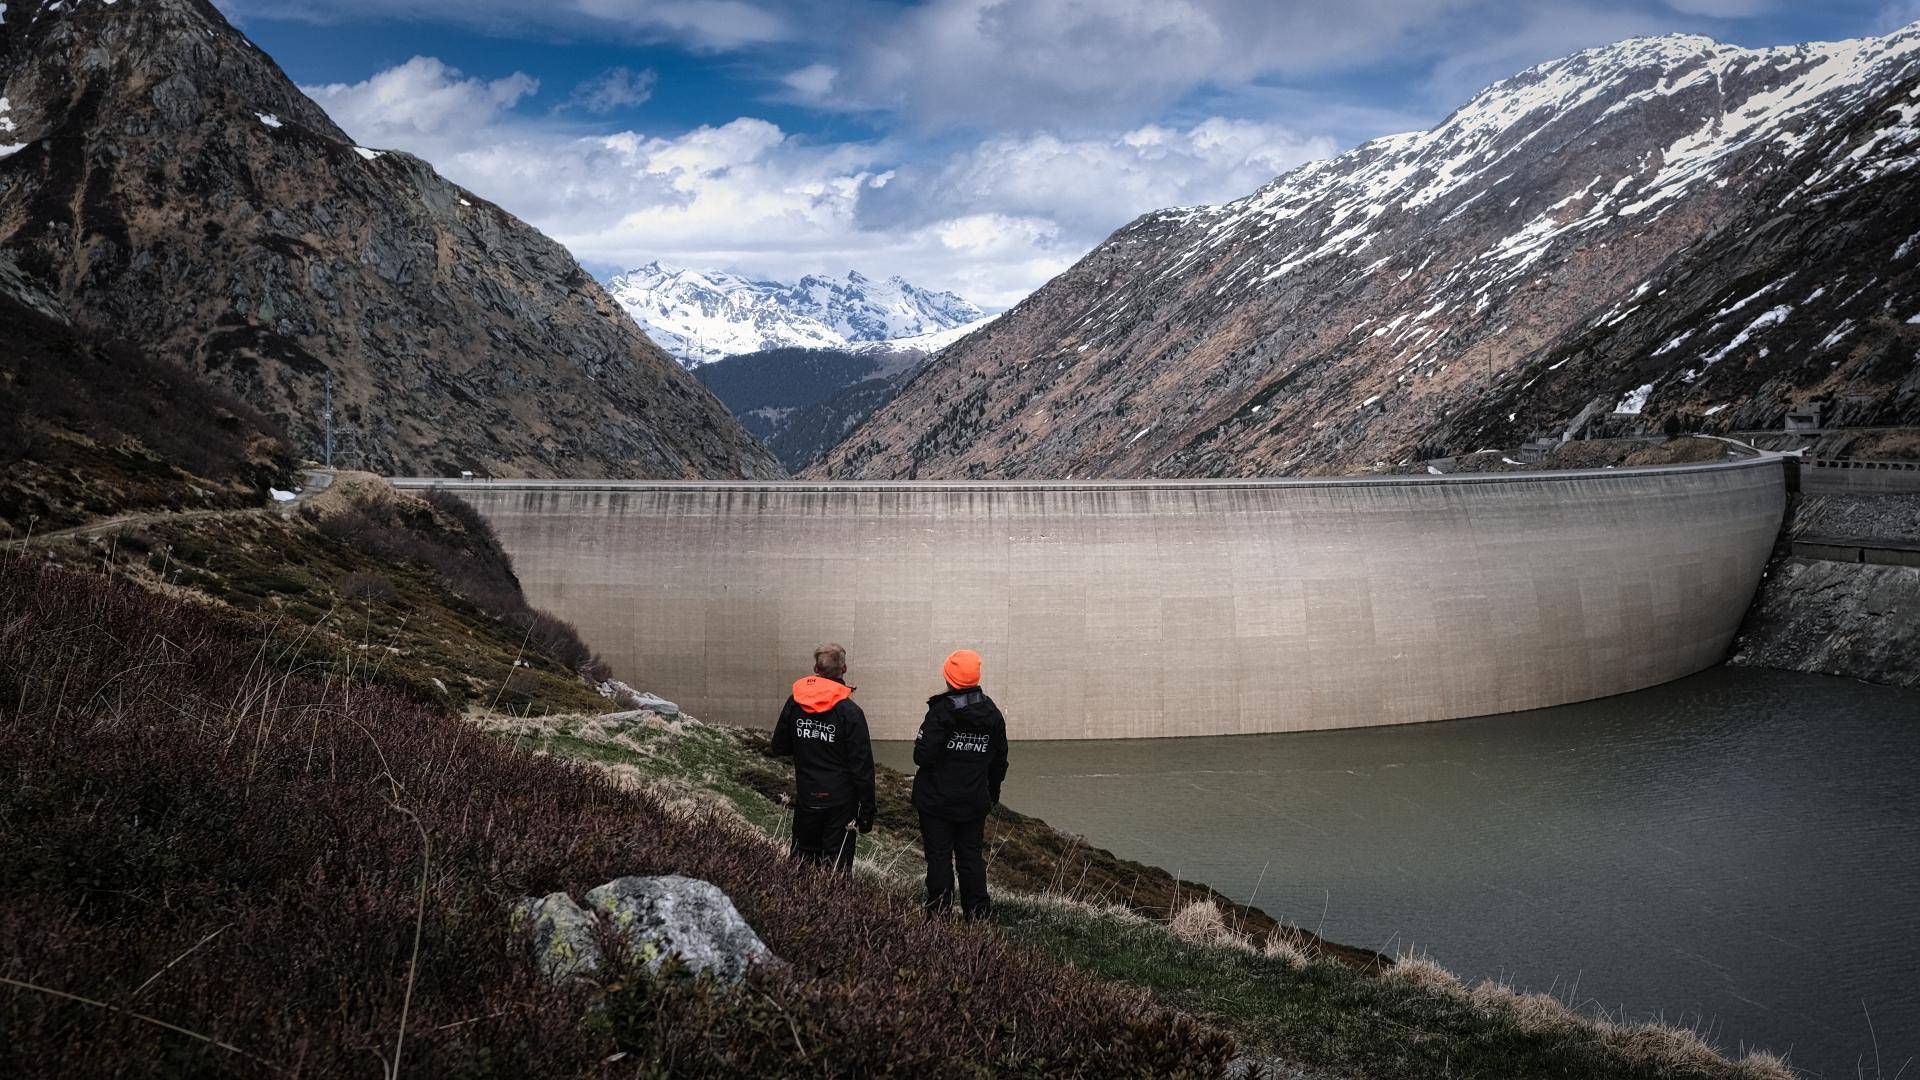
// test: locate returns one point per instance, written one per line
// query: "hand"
(851, 826)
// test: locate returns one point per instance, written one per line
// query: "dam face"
(1141, 609)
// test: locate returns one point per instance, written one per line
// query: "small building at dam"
(1136, 609)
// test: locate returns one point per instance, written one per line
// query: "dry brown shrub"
(1202, 923)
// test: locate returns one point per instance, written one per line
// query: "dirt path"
(317, 481)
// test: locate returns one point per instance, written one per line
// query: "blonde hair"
(830, 660)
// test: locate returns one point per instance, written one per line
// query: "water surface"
(1739, 849)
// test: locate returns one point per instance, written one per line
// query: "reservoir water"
(1739, 850)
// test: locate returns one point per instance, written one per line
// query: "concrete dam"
(1137, 609)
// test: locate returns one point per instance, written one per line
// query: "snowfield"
(703, 315)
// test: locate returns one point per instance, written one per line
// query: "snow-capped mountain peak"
(703, 315)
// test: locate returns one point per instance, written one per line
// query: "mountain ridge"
(1358, 310)
(703, 315)
(169, 184)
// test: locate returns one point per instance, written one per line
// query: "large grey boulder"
(655, 703)
(635, 702)
(657, 917)
(684, 917)
(561, 935)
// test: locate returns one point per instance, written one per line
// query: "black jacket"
(826, 735)
(961, 752)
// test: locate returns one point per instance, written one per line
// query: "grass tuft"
(1203, 923)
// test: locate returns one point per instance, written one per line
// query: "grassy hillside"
(414, 593)
(218, 865)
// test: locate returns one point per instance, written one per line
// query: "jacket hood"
(817, 693)
(968, 705)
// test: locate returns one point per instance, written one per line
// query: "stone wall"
(1140, 609)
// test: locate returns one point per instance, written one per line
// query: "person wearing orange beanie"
(826, 735)
(961, 755)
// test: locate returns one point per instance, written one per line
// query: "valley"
(1453, 595)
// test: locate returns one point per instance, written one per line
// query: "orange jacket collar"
(817, 694)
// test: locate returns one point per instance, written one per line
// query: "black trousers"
(822, 836)
(951, 844)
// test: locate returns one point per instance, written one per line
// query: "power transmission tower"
(326, 417)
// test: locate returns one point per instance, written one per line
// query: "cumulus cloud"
(1090, 186)
(992, 219)
(813, 82)
(420, 103)
(615, 88)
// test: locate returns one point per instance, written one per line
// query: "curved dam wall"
(1141, 609)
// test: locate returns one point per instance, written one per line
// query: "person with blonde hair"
(826, 735)
(961, 754)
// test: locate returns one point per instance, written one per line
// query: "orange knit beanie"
(962, 669)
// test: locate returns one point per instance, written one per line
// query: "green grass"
(1330, 1017)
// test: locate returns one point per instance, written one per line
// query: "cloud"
(711, 25)
(1090, 186)
(615, 88)
(420, 102)
(939, 66)
(1013, 63)
(813, 82)
(1896, 16)
(991, 219)
(1530, 35)
(1722, 9)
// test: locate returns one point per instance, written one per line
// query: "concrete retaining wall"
(1127, 610)
(1825, 475)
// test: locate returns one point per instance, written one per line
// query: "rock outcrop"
(1661, 228)
(1860, 621)
(171, 186)
(91, 426)
(561, 934)
(1857, 620)
(657, 917)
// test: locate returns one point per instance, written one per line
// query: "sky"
(981, 146)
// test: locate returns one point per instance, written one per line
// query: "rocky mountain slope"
(1662, 228)
(91, 427)
(703, 315)
(169, 184)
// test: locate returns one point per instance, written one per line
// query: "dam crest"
(1137, 609)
